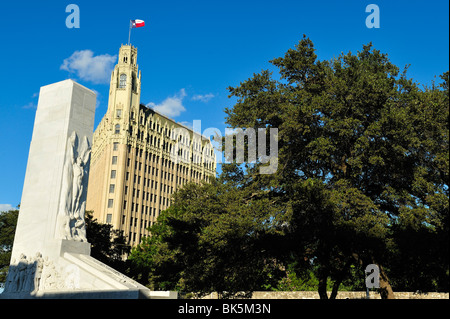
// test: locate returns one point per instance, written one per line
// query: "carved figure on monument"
(38, 273)
(25, 275)
(29, 276)
(11, 279)
(48, 275)
(22, 272)
(72, 205)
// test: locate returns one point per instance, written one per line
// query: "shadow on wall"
(32, 274)
(24, 275)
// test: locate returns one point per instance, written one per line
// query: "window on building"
(114, 160)
(117, 129)
(110, 203)
(118, 113)
(115, 146)
(108, 218)
(113, 174)
(122, 81)
(111, 188)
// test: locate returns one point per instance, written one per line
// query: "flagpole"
(129, 34)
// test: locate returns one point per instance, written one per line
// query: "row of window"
(165, 162)
(134, 222)
(144, 207)
(167, 146)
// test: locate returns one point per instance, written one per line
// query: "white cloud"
(5, 207)
(171, 106)
(203, 98)
(30, 105)
(96, 69)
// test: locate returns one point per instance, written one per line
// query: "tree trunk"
(335, 290)
(385, 290)
(338, 280)
(323, 276)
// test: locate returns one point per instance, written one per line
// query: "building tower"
(140, 157)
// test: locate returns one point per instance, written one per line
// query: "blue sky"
(189, 52)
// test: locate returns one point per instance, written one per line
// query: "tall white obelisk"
(51, 255)
(64, 109)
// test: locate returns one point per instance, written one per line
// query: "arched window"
(117, 129)
(122, 81)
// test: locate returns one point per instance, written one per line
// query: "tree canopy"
(362, 178)
(8, 222)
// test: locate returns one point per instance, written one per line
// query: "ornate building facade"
(140, 157)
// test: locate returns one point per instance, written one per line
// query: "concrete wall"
(341, 295)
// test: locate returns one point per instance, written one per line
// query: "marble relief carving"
(72, 205)
(33, 274)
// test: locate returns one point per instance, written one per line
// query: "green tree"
(422, 228)
(107, 245)
(361, 150)
(362, 171)
(8, 222)
(213, 238)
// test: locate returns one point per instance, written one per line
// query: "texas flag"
(137, 23)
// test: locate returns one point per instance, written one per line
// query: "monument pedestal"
(51, 255)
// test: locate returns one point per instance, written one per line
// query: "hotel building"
(140, 157)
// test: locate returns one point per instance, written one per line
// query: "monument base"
(71, 273)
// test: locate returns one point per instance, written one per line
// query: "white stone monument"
(51, 255)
